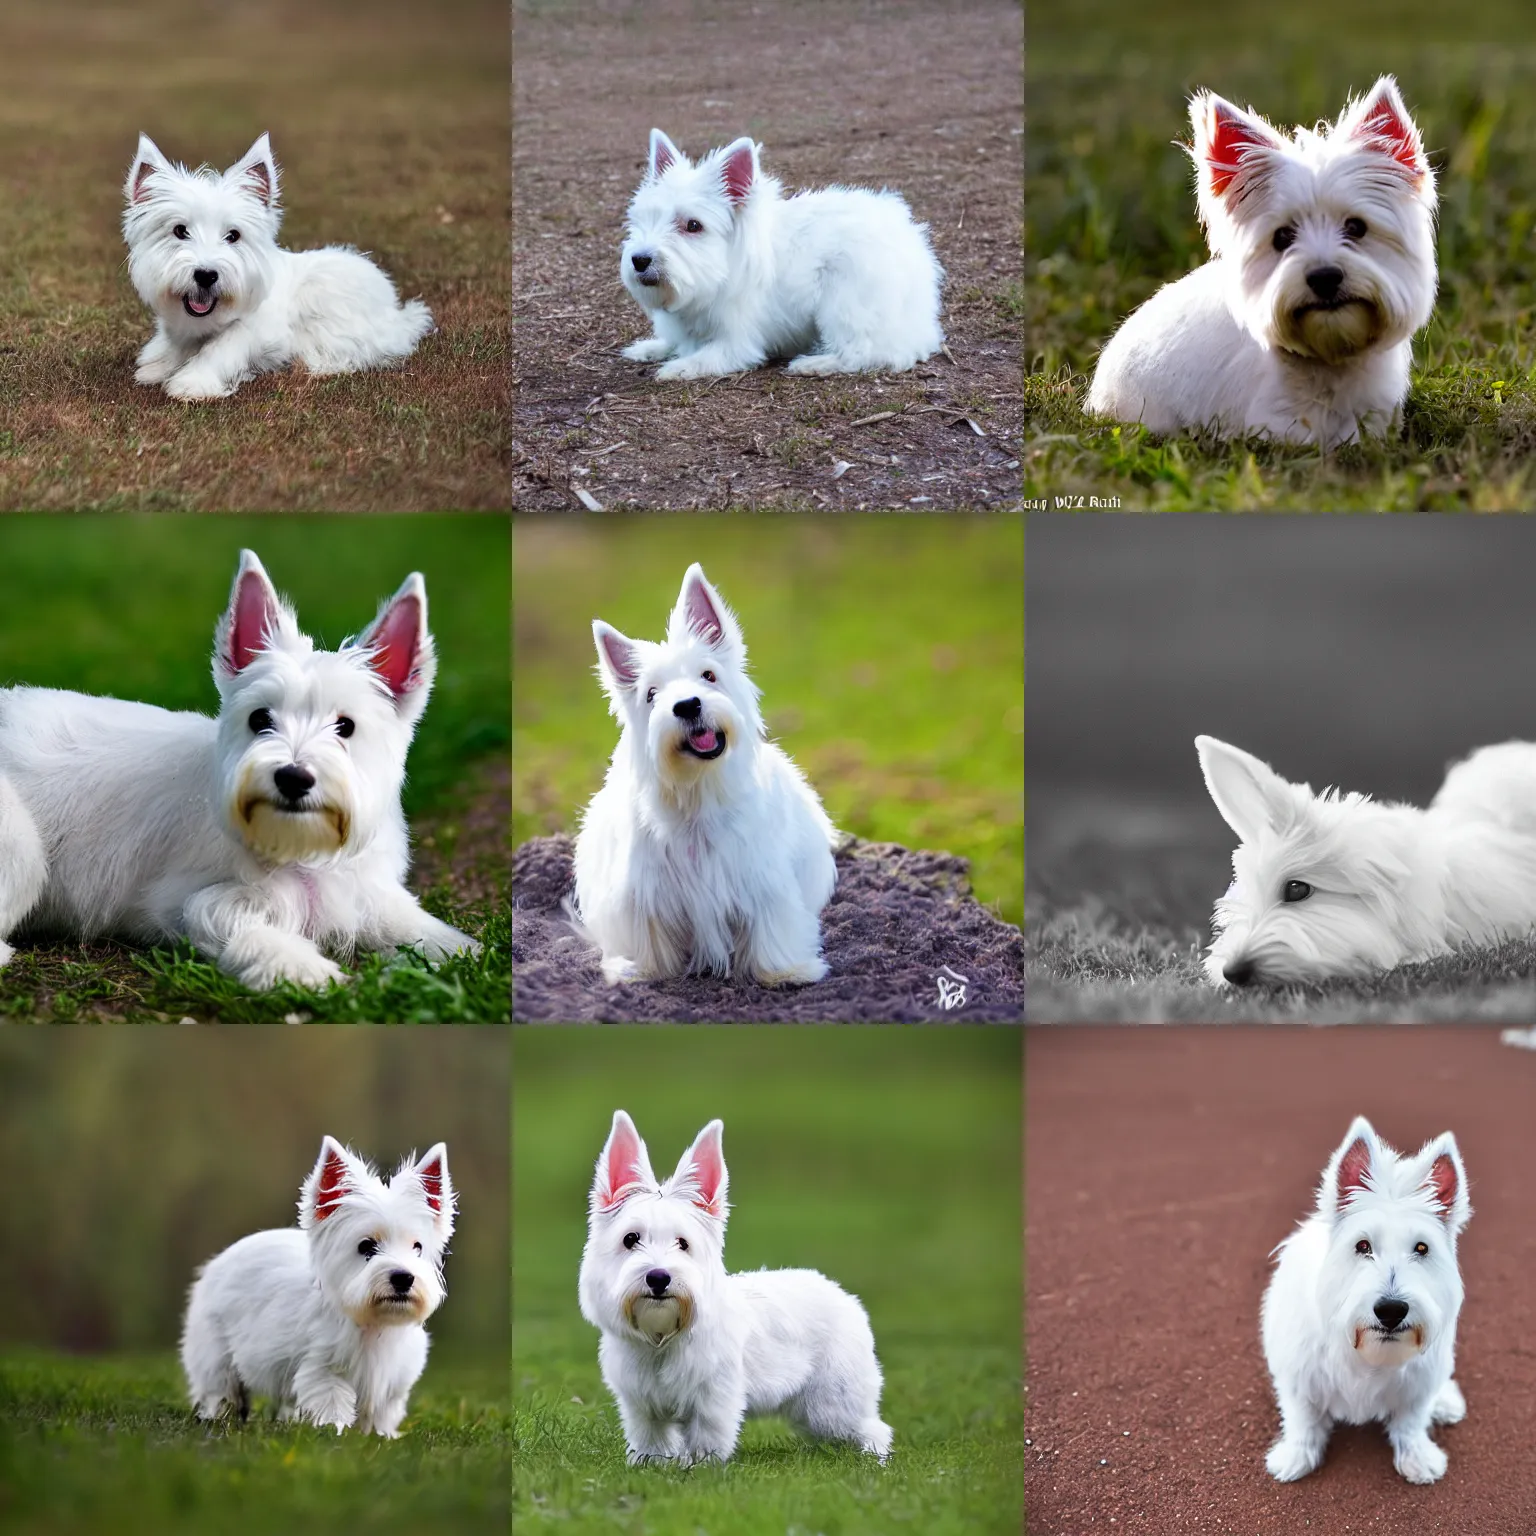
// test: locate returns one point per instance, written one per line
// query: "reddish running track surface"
(1161, 1166)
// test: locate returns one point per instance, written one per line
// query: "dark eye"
(682, 1243)
(650, 695)
(709, 676)
(261, 720)
(344, 725)
(1363, 1246)
(417, 1247)
(232, 238)
(181, 232)
(1285, 238)
(1355, 228)
(367, 1247)
(1295, 890)
(694, 227)
(1422, 1249)
(631, 1238)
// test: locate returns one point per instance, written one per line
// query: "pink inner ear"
(332, 1185)
(142, 172)
(1442, 1180)
(736, 173)
(702, 616)
(1353, 1167)
(661, 158)
(1226, 137)
(431, 1176)
(621, 658)
(259, 179)
(253, 611)
(622, 1158)
(393, 642)
(1400, 138)
(709, 1169)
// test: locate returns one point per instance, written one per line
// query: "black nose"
(402, 1280)
(293, 782)
(206, 277)
(686, 709)
(1325, 282)
(658, 1280)
(639, 263)
(1390, 1313)
(1239, 972)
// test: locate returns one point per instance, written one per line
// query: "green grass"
(127, 605)
(1111, 218)
(886, 1157)
(107, 1443)
(890, 652)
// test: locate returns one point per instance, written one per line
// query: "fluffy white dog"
(705, 850)
(326, 1318)
(1338, 885)
(690, 1351)
(1322, 268)
(229, 302)
(263, 836)
(1359, 1320)
(731, 274)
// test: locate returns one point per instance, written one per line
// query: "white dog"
(705, 850)
(229, 302)
(326, 1317)
(1360, 1317)
(1337, 885)
(1322, 268)
(690, 1351)
(730, 274)
(261, 836)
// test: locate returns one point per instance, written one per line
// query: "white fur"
(1354, 1336)
(305, 1316)
(838, 281)
(122, 818)
(1386, 883)
(687, 864)
(1239, 346)
(198, 239)
(690, 1351)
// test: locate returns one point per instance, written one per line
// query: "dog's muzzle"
(202, 301)
(647, 273)
(702, 741)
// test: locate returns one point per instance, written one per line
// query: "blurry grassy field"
(890, 652)
(888, 1158)
(390, 123)
(1111, 217)
(127, 606)
(97, 1444)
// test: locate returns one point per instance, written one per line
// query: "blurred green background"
(126, 605)
(886, 1157)
(136, 1154)
(889, 648)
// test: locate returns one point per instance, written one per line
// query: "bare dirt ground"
(1161, 1167)
(927, 99)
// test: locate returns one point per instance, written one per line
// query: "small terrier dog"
(326, 1317)
(1359, 1320)
(705, 850)
(730, 274)
(261, 835)
(1335, 885)
(1322, 268)
(690, 1351)
(229, 302)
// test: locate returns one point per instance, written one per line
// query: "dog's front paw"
(819, 364)
(649, 349)
(195, 383)
(793, 976)
(1291, 1459)
(1450, 1407)
(1420, 1460)
(302, 964)
(701, 365)
(617, 970)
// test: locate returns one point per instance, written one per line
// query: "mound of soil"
(897, 917)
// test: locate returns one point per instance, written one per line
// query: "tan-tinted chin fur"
(1335, 335)
(286, 836)
(684, 1314)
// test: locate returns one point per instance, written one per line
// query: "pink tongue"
(200, 306)
(702, 741)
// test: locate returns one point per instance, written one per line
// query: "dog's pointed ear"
(1353, 1169)
(147, 162)
(701, 611)
(1233, 151)
(701, 1175)
(256, 172)
(618, 660)
(430, 1171)
(334, 1174)
(664, 154)
(1438, 1170)
(256, 616)
(739, 169)
(401, 652)
(1250, 795)
(623, 1167)
(1382, 120)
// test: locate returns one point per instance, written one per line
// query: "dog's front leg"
(1414, 1454)
(231, 926)
(714, 1428)
(159, 358)
(714, 361)
(323, 1397)
(216, 369)
(1303, 1438)
(402, 921)
(784, 947)
(649, 1435)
